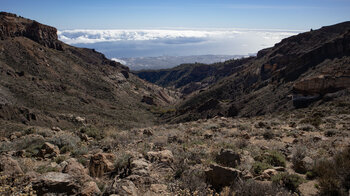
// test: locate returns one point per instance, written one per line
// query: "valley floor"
(304, 151)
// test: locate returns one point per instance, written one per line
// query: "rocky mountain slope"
(45, 82)
(189, 78)
(309, 68)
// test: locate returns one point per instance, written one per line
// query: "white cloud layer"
(97, 36)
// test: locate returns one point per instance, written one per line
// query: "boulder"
(268, 173)
(101, 163)
(218, 176)
(228, 158)
(122, 187)
(77, 170)
(9, 166)
(90, 189)
(55, 183)
(48, 150)
(158, 189)
(140, 167)
(164, 156)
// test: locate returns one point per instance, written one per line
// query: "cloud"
(119, 61)
(175, 42)
(168, 36)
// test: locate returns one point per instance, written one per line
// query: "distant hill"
(165, 62)
(189, 78)
(309, 68)
(45, 82)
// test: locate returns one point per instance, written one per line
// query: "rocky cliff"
(296, 72)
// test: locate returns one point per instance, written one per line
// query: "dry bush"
(253, 188)
(334, 174)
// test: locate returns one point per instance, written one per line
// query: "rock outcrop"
(56, 183)
(13, 26)
(9, 166)
(101, 163)
(219, 176)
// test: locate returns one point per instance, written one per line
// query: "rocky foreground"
(305, 152)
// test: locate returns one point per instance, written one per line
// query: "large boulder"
(218, 176)
(228, 158)
(9, 166)
(101, 163)
(122, 187)
(49, 150)
(55, 183)
(90, 189)
(164, 156)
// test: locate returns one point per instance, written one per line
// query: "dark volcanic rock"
(13, 26)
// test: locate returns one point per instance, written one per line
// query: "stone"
(165, 156)
(76, 169)
(48, 150)
(90, 189)
(101, 163)
(308, 163)
(159, 189)
(9, 166)
(219, 176)
(228, 158)
(55, 183)
(122, 187)
(57, 129)
(268, 173)
(148, 132)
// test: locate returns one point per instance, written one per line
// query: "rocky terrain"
(48, 83)
(73, 122)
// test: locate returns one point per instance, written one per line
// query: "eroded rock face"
(219, 176)
(101, 163)
(322, 85)
(9, 166)
(90, 189)
(13, 26)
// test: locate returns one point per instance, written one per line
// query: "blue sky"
(138, 14)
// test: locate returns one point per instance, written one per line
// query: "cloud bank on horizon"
(176, 42)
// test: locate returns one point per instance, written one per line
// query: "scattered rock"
(228, 158)
(9, 166)
(48, 150)
(268, 173)
(122, 187)
(74, 168)
(219, 176)
(57, 129)
(148, 132)
(90, 189)
(101, 163)
(159, 189)
(55, 183)
(165, 156)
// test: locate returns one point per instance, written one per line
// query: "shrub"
(65, 140)
(273, 158)
(92, 131)
(334, 175)
(122, 165)
(44, 169)
(289, 181)
(268, 135)
(254, 188)
(258, 167)
(60, 159)
(297, 160)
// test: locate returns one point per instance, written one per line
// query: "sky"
(139, 28)
(126, 14)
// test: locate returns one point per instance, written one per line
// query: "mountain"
(309, 68)
(189, 78)
(166, 62)
(45, 82)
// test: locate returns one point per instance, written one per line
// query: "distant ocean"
(178, 42)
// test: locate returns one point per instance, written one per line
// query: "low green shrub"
(289, 181)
